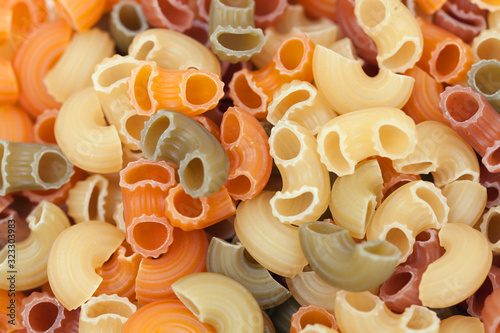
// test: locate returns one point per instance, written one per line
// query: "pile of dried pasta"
(240, 166)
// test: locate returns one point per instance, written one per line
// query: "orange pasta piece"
(10, 311)
(320, 8)
(423, 103)
(32, 61)
(165, 316)
(16, 125)
(42, 312)
(209, 124)
(9, 89)
(246, 144)
(252, 91)
(445, 56)
(119, 274)
(170, 14)
(44, 127)
(185, 256)
(27, 15)
(81, 15)
(5, 24)
(392, 179)
(188, 213)
(430, 6)
(192, 91)
(490, 312)
(311, 315)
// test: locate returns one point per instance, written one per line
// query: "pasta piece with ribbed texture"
(308, 288)
(282, 315)
(126, 21)
(9, 87)
(233, 261)
(268, 13)
(209, 125)
(430, 6)
(461, 18)
(191, 91)
(353, 89)
(81, 15)
(162, 316)
(489, 227)
(185, 256)
(179, 139)
(467, 201)
(5, 24)
(9, 306)
(484, 78)
(392, 179)
(42, 312)
(168, 14)
(292, 60)
(105, 314)
(246, 144)
(27, 16)
(490, 312)
(493, 18)
(461, 324)
(312, 315)
(486, 45)
(317, 328)
(491, 181)
(47, 222)
(16, 125)
(475, 302)
(74, 258)
(304, 196)
(43, 128)
(349, 138)
(33, 59)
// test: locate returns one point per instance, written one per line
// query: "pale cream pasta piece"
(460, 271)
(406, 212)
(233, 261)
(301, 102)
(345, 48)
(119, 219)
(74, 69)
(350, 138)
(236, 309)
(490, 5)
(364, 312)
(461, 324)
(467, 201)
(339, 261)
(353, 198)
(348, 88)
(87, 198)
(105, 314)
(30, 256)
(84, 137)
(304, 196)
(490, 228)
(308, 289)
(272, 244)
(317, 328)
(74, 257)
(394, 30)
(494, 19)
(486, 45)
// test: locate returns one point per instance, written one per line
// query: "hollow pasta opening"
(240, 185)
(109, 307)
(493, 230)
(188, 303)
(402, 56)
(200, 89)
(393, 140)
(491, 192)
(157, 128)
(487, 79)
(115, 73)
(416, 167)
(129, 17)
(150, 235)
(175, 15)
(324, 228)
(494, 157)
(194, 174)
(148, 173)
(236, 3)
(398, 237)
(187, 205)
(424, 236)
(141, 87)
(397, 282)
(94, 203)
(231, 131)
(286, 145)
(239, 41)
(333, 151)
(134, 125)
(294, 206)
(199, 32)
(420, 319)
(290, 100)
(447, 60)
(144, 50)
(291, 54)
(46, 130)
(489, 49)
(480, 296)
(43, 316)
(461, 106)
(51, 167)
(433, 201)
(315, 317)
(371, 13)
(360, 302)
(245, 93)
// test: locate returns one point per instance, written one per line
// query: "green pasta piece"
(126, 21)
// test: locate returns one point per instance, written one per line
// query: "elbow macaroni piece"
(484, 46)
(308, 288)
(348, 139)
(489, 228)
(74, 258)
(467, 201)
(168, 14)
(238, 313)
(41, 310)
(87, 198)
(483, 78)
(105, 314)
(81, 15)
(126, 21)
(312, 315)
(461, 324)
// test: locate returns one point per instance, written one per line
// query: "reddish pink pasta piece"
(170, 14)
(42, 312)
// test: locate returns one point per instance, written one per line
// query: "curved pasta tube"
(43, 128)
(105, 314)
(312, 315)
(46, 222)
(365, 312)
(177, 138)
(232, 261)
(352, 89)
(467, 201)
(74, 257)
(354, 197)
(272, 244)
(169, 14)
(83, 136)
(81, 15)
(9, 87)
(304, 196)
(485, 45)
(126, 21)
(308, 288)
(406, 212)
(348, 139)
(489, 228)
(41, 310)
(238, 313)
(87, 198)
(461, 324)
(443, 153)
(16, 124)
(483, 78)
(339, 261)
(460, 271)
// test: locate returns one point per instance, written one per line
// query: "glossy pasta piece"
(9, 309)
(394, 30)
(239, 313)
(16, 125)
(304, 196)
(461, 18)
(460, 271)
(47, 222)
(292, 60)
(43, 128)
(461, 324)
(441, 152)
(406, 212)
(484, 77)
(191, 91)
(246, 144)
(365, 312)
(177, 138)
(353, 198)
(445, 56)
(232, 261)
(491, 181)
(168, 14)
(485, 46)
(423, 103)
(339, 261)
(42, 312)
(173, 50)
(185, 256)
(86, 199)
(312, 315)
(467, 201)
(105, 314)
(163, 315)
(32, 166)
(74, 257)
(348, 139)
(475, 302)
(126, 21)
(81, 15)
(470, 115)
(301, 102)
(33, 59)
(9, 87)
(308, 288)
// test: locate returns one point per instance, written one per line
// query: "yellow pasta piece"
(307, 288)
(350, 138)
(87, 198)
(237, 313)
(84, 137)
(317, 328)
(486, 45)
(494, 19)
(466, 199)
(46, 222)
(74, 257)
(345, 48)
(105, 314)
(119, 219)
(460, 271)
(461, 324)
(489, 226)
(354, 197)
